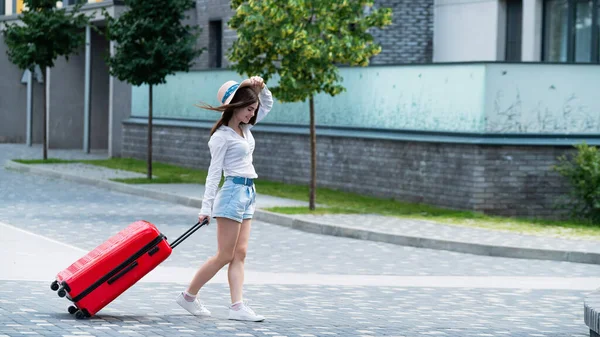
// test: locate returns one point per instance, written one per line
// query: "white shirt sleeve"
(218, 148)
(266, 103)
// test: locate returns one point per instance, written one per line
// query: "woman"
(231, 146)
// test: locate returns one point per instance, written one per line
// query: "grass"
(339, 202)
(562, 229)
(165, 173)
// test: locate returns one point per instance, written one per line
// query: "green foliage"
(152, 41)
(583, 173)
(45, 34)
(303, 41)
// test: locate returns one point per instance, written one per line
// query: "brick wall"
(409, 39)
(207, 10)
(519, 180)
(503, 180)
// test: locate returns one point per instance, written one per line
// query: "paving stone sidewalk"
(77, 217)
(149, 310)
(365, 226)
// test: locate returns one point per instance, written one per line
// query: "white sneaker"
(195, 307)
(244, 313)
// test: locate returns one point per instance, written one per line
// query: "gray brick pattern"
(482, 236)
(409, 39)
(501, 180)
(181, 146)
(207, 10)
(553, 243)
(148, 309)
(519, 180)
(85, 216)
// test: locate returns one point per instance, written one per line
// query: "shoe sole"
(246, 320)
(197, 315)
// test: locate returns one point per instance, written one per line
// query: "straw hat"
(229, 88)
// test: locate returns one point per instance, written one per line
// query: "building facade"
(553, 31)
(424, 31)
(409, 39)
(87, 105)
(468, 105)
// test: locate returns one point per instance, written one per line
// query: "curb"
(106, 184)
(430, 243)
(329, 229)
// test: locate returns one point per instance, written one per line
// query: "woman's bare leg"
(235, 273)
(227, 236)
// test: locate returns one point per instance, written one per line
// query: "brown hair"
(243, 97)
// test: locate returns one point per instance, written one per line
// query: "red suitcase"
(96, 279)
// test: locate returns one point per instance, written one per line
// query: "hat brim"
(245, 83)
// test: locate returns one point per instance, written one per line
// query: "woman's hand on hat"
(257, 81)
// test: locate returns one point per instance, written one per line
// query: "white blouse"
(232, 154)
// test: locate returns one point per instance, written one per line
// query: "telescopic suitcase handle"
(189, 232)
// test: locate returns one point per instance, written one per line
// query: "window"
(555, 31)
(215, 43)
(514, 24)
(583, 31)
(72, 2)
(571, 31)
(2, 7)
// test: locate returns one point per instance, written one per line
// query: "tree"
(44, 34)
(152, 43)
(303, 42)
(582, 170)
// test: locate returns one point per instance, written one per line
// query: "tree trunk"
(44, 119)
(150, 134)
(32, 79)
(313, 156)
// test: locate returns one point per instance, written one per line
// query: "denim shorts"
(235, 201)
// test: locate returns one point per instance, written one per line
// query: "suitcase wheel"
(54, 286)
(72, 310)
(62, 292)
(81, 314)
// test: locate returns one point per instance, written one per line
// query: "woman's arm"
(266, 103)
(218, 148)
